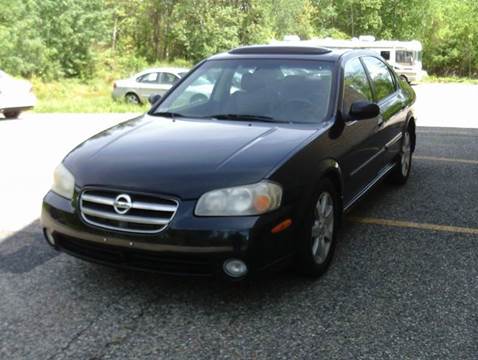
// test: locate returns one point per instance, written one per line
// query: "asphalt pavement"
(404, 283)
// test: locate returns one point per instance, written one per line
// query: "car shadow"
(26, 252)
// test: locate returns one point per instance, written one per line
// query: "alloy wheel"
(323, 227)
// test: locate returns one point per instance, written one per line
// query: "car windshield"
(278, 90)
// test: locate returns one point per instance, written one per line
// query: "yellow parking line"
(433, 158)
(414, 225)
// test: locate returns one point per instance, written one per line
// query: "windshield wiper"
(244, 117)
(168, 114)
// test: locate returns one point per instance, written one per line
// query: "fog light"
(235, 268)
(49, 237)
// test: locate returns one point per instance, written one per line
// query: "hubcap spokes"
(323, 227)
(132, 99)
(406, 154)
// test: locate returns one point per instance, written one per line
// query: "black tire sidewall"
(306, 263)
(11, 114)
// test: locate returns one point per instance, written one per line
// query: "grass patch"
(449, 80)
(92, 96)
(75, 96)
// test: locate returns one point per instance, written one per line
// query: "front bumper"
(190, 245)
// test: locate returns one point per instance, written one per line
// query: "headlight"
(253, 199)
(63, 182)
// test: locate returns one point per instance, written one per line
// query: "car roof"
(290, 52)
(174, 70)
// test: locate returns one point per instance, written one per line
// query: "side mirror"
(154, 98)
(362, 110)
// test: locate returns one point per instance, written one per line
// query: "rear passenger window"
(356, 85)
(381, 77)
(167, 79)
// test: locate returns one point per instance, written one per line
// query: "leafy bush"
(85, 39)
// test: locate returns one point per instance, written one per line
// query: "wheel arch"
(330, 169)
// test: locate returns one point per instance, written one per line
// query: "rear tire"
(132, 98)
(318, 236)
(12, 114)
(401, 171)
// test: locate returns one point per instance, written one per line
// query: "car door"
(165, 82)
(147, 84)
(357, 136)
(391, 102)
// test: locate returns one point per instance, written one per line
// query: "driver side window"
(356, 85)
(167, 79)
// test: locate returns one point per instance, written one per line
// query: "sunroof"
(301, 50)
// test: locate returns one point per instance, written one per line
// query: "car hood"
(183, 157)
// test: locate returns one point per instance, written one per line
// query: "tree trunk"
(115, 34)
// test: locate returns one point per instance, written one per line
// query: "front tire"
(318, 239)
(401, 172)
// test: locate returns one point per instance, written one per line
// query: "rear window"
(406, 57)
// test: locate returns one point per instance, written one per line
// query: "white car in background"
(15, 96)
(138, 88)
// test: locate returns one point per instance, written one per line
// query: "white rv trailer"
(404, 56)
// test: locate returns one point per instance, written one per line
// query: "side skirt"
(365, 190)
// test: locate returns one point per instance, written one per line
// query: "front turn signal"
(281, 226)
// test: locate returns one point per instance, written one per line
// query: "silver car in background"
(15, 96)
(139, 87)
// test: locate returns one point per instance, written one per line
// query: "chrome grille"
(126, 212)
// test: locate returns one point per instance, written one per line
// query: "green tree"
(70, 29)
(22, 50)
(203, 28)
